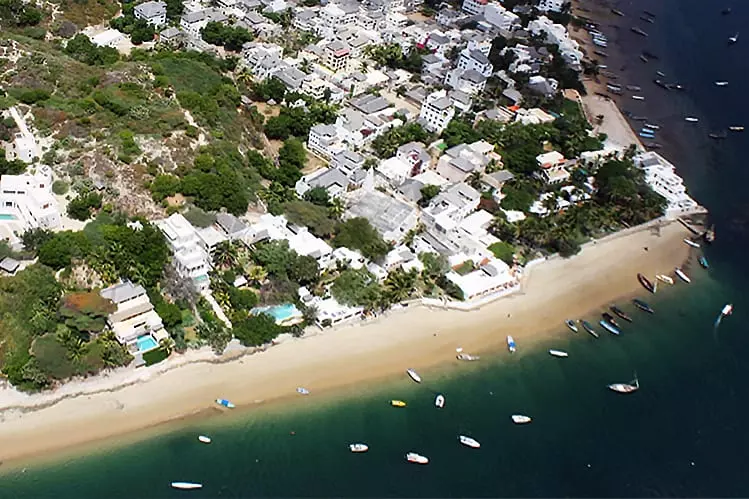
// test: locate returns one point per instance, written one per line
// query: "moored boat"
(643, 58)
(630, 387)
(727, 310)
(617, 12)
(680, 273)
(225, 403)
(204, 439)
(721, 83)
(468, 442)
(413, 375)
(467, 357)
(439, 401)
(691, 119)
(646, 283)
(661, 74)
(558, 353)
(646, 135)
(664, 278)
(413, 457)
(643, 306)
(302, 391)
(397, 403)
(187, 485)
(610, 319)
(358, 447)
(733, 39)
(520, 419)
(652, 127)
(571, 325)
(691, 243)
(618, 311)
(703, 263)
(718, 135)
(638, 97)
(637, 30)
(609, 327)
(736, 128)
(511, 344)
(589, 328)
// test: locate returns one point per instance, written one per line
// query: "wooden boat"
(397, 403)
(703, 263)
(630, 387)
(646, 283)
(647, 19)
(637, 30)
(467, 357)
(610, 319)
(643, 58)
(691, 243)
(413, 375)
(618, 311)
(643, 306)
(718, 135)
(664, 278)
(617, 12)
(589, 328)
(558, 353)
(571, 325)
(609, 327)
(681, 275)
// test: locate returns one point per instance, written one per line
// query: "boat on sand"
(225, 403)
(511, 344)
(571, 324)
(680, 273)
(467, 357)
(646, 283)
(413, 375)
(665, 278)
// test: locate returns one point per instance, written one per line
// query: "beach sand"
(418, 337)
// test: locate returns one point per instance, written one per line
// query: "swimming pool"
(146, 343)
(279, 312)
(7, 216)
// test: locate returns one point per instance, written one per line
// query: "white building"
(436, 112)
(108, 38)
(552, 5)
(154, 13)
(28, 199)
(469, 81)
(474, 7)
(275, 228)
(557, 35)
(135, 323)
(336, 56)
(324, 140)
(534, 116)
(661, 176)
(493, 278)
(191, 248)
(496, 15)
(392, 218)
(463, 160)
(475, 60)
(552, 166)
(329, 311)
(22, 148)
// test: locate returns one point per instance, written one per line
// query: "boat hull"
(610, 328)
(645, 282)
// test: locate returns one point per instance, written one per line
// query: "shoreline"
(119, 404)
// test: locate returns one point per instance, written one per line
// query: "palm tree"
(76, 349)
(336, 208)
(167, 345)
(245, 77)
(399, 285)
(224, 254)
(257, 274)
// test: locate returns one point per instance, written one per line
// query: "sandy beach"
(127, 401)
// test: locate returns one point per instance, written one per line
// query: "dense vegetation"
(230, 37)
(387, 144)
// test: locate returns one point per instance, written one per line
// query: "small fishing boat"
(468, 442)
(589, 328)
(467, 357)
(397, 403)
(617, 12)
(664, 278)
(601, 53)
(703, 263)
(721, 83)
(638, 97)
(691, 243)
(558, 353)
(413, 457)
(646, 283)
(643, 306)
(358, 447)
(413, 375)
(647, 19)
(609, 327)
(186, 485)
(681, 275)
(225, 403)
(718, 135)
(653, 145)
(204, 439)
(630, 387)
(520, 419)
(571, 325)
(643, 58)
(691, 119)
(661, 74)
(736, 128)
(709, 234)
(637, 30)
(511, 344)
(439, 401)
(652, 127)
(640, 118)
(302, 391)
(618, 311)
(727, 310)
(674, 86)
(646, 135)
(733, 39)
(610, 319)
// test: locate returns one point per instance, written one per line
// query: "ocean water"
(682, 434)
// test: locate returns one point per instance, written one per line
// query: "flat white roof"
(107, 37)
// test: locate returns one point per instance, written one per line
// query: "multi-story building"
(436, 111)
(558, 35)
(469, 81)
(475, 7)
(552, 166)
(475, 60)
(154, 13)
(499, 17)
(28, 199)
(662, 178)
(336, 56)
(459, 162)
(552, 5)
(324, 140)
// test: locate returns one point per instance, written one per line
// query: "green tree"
(256, 330)
(356, 288)
(358, 233)
(504, 251)
(164, 186)
(82, 206)
(318, 196)
(225, 255)
(310, 215)
(428, 192)
(399, 285)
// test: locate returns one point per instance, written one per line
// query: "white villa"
(135, 323)
(662, 178)
(28, 201)
(493, 278)
(552, 168)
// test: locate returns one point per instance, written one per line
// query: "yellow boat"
(397, 403)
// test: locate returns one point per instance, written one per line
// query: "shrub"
(154, 356)
(60, 187)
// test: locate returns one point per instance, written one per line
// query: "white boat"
(734, 38)
(721, 83)
(727, 310)
(664, 278)
(691, 243)
(630, 387)
(520, 419)
(469, 442)
(467, 357)
(303, 391)
(358, 447)
(682, 275)
(511, 344)
(413, 457)
(652, 127)
(558, 353)
(439, 401)
(204, 439)
(187, 485)
(638, 97)
(414, 375)
(691, 119)
(736, 128)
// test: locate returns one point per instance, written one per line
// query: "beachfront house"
(492, 279)
(661, 176)
(329, 311)
(135, 323)
(392, 218)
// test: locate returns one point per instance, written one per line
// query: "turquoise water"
(279, 312)
(146, 342)
(201, 278)
(7, 216)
